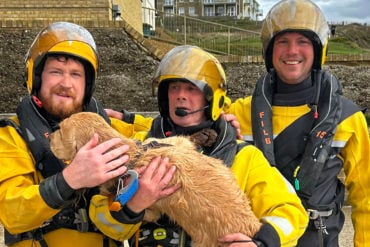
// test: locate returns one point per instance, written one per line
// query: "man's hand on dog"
(237, 240)
(153, 184)
(95, 164)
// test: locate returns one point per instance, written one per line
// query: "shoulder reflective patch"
(248, 138)
(284, 225)
(30, 136)
(109, 224)
(338, 144)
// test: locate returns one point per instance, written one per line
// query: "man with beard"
(38, 205)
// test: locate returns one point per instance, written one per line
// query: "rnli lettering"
(262, 114)
(268, 140)
(321, 134)
(264, 131)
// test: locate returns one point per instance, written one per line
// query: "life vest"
(302, 161)
(35, 130)
(224, 147)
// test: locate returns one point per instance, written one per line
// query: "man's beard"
(58, 110)
(62, 112)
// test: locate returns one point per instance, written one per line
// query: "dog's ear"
(68, 138)
(75, 148)
(82, 135)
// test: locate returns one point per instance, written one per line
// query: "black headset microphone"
(183, 113)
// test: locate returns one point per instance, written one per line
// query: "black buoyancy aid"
(224, 148)
(36, 130)
(302, 160)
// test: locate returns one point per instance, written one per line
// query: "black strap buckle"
(81, 220)
(314, 214)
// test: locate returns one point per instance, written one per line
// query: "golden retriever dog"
(209, 203)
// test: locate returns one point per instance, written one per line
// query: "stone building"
(210, 8)
(89, 13)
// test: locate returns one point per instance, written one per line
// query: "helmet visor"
(192, 64)
(57, 33)
(294, 15)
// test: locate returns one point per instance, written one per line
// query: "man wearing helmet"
(38, 205)
(304, 126)
(191, 92)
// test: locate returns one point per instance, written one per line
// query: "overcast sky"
(335, 10)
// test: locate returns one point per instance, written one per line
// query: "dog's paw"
(204, 138)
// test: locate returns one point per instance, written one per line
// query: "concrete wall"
(89, 13)
(131, 12)
(55, 10)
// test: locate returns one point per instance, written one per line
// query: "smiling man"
(292, 57)
(305, 127)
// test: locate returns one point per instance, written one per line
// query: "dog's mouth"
(66, 162)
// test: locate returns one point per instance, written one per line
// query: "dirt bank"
(126, 71)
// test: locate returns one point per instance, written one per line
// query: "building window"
(191, 11)
(168, 12)
(181, 11)
(208, 11)
(208, 1)
(231, 11)
(220, 11)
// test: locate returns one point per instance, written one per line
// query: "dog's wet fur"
(209, 203)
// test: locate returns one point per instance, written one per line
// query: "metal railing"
(185, 30)
(233, 44)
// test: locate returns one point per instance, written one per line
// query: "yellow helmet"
(296, 15)
(192, 64)
(62, 38)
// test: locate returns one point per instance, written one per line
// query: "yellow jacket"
(22, 208)
(273, 199)
(351, 136)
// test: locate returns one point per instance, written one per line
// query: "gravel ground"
(346, 236)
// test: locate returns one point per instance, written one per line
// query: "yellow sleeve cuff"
(101, 216)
